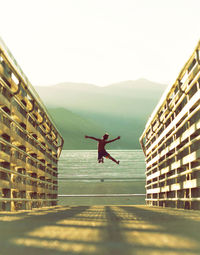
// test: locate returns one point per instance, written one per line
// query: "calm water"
(82, 164)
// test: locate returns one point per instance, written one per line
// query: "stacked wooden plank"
(171, 142)
(30, 143)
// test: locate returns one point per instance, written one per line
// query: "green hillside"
(120, 109)
(74, 128)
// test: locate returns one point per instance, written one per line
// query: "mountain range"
(81, 109)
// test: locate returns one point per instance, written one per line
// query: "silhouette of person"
(101, 147)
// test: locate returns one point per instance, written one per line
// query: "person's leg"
(101, 160)
(99, 157)
(110, 157)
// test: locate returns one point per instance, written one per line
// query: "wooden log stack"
(171, 142)
(30, 144)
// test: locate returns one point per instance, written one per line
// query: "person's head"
(105, 137)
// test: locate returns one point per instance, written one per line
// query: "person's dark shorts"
(102, 154)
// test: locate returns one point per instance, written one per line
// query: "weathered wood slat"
(30, 144)
(102, 195)
(171, 142)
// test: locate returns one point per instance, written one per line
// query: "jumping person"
(101, 147)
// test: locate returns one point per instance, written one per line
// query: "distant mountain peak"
(142, 83)
(121, 108)
(74, 85)
(82, 85)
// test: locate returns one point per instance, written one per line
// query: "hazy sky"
(100, 41)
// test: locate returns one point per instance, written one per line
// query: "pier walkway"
(100, 230)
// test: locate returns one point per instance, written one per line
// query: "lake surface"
(82, 164)
(81, 174)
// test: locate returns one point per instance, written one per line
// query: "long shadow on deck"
(100, 230)
(166, 230)
(16, 227)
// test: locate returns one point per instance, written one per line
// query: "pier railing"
(30, 143)
(171, 142)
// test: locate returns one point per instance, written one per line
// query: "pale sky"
(100, 41)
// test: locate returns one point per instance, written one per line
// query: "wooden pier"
(171, 142)
(30, 146)
(100, 230)
(30, 143)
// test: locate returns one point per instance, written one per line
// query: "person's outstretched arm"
(110, 141)
(91, 137)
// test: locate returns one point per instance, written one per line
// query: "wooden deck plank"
(97, 230)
